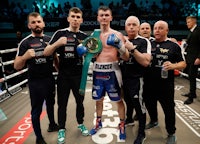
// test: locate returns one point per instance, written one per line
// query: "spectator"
(18, 37)
(192, 56)
(36, 7)
(133, 8)
(60, 11)
(53, 10)
(66, 7)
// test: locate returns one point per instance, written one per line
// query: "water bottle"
(164, 73)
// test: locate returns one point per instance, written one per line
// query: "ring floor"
(17, 107)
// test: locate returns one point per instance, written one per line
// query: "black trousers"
(192, 72)
(41, 89)
(133, 98)
(64, 85)
(163, 92)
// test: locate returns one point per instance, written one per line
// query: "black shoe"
(189, 95)
(129, 122)
(193, 96)
(135, 117)
(188, 101)
(140, 139)
(53, 128)
(186, 94)
(40, 141)
(151, 125)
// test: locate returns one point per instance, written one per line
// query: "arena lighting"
(198, 10)
(49, 2)
(43, 3)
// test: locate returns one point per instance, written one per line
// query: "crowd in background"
(170, 9)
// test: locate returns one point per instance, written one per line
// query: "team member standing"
(106, 72)
(192, 56)
(41, 81)
(65, 42)
(165, 55)
(132, 73)
(145, 30)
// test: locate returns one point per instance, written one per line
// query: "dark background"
(14, 14)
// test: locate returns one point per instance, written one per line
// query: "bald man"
(165, 54)
(132, 74)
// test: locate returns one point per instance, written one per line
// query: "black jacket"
(193, 48)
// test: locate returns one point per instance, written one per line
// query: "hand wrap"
(114, 41)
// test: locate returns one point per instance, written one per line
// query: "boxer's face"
(104, 17)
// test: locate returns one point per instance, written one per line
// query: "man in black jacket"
(192, 56)
(41, 81)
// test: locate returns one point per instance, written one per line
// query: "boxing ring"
(9, 90)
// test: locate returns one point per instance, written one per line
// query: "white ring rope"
(13, 75)
(4, 94)
(7, 63)
(186, 75)
(9, 91)
(8, 50)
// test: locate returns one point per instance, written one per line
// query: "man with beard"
(41, 81)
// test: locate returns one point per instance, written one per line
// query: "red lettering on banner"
(20, 132)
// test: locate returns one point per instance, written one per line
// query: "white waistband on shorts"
(105, 67)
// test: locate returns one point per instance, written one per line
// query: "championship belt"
(94, 47)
